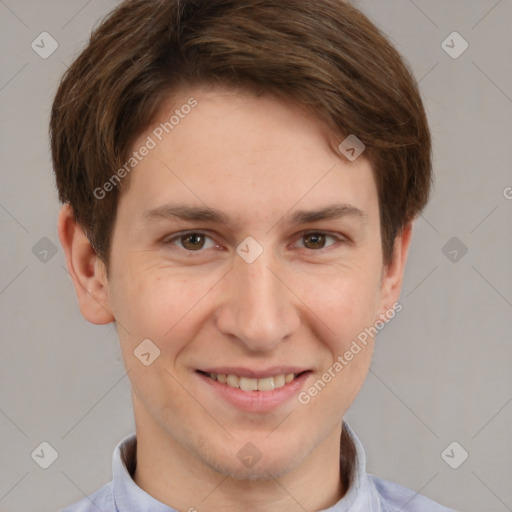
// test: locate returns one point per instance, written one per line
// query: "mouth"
(252, 383)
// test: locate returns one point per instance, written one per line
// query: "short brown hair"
(325, 55)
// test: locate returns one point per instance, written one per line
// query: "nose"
(257, 307)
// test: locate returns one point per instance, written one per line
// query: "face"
(242, 283)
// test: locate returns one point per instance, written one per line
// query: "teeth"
(249, 384)
(280, 380)
(233, 381)
(267, 384)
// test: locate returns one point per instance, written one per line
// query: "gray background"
(442, 367)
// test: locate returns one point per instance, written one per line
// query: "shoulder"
(395, 497)
(102, 499)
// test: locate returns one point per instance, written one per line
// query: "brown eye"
(192, 241)
(314, 240)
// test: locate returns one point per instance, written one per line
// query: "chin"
(266, 468)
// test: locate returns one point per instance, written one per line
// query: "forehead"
(236, 151)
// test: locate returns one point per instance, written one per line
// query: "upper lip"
(251, 373)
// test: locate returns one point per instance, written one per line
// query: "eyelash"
(178, 236)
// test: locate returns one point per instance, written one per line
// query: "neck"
(173, 476)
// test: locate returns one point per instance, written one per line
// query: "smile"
(251, 390)
(252, 384)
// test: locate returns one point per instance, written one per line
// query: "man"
(239, 180)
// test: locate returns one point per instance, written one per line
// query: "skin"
(257, 159)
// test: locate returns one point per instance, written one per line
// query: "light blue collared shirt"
(366, 493)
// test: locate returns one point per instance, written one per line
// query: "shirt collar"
(361, 495)
(129, 497)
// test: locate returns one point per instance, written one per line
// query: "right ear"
(86, 269)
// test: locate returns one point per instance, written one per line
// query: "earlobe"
(393, 273)
(86, 269)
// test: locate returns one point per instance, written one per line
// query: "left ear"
(393, 272)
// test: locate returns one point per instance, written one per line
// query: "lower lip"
(256, 401)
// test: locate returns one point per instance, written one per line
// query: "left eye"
(194, 241)
(317, 238)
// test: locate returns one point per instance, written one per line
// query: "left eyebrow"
(331, 212)
(196, 213)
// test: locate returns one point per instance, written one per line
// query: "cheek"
(153, 305)
(347, 302)
(348, 311)
(157, 315)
